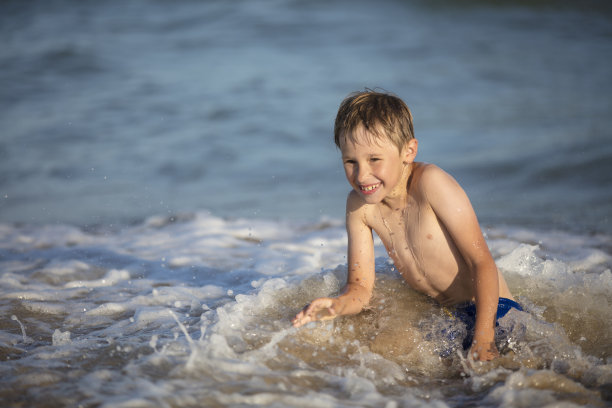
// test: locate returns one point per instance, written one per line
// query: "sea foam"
(199, 309)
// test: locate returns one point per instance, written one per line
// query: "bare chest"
(419, 246)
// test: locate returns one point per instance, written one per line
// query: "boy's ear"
(410, 151)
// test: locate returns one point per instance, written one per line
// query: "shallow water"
(170, 197)
(196, 311)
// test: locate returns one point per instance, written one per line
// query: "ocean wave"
(200, 306)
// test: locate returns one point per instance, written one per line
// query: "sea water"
(195, 310)
(170, 197)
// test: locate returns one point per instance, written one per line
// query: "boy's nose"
(362, 174)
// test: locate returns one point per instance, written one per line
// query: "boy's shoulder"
(435, 185)
(429, 184)
(427, 176)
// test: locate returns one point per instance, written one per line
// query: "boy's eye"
(374, 159)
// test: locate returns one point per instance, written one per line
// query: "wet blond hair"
(383, 115)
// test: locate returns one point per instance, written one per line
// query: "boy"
(422, 216)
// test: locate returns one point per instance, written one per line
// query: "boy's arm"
(360, 278)
(452, 206)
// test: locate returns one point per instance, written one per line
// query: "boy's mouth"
(369, 189)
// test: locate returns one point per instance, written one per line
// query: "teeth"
(369, 188)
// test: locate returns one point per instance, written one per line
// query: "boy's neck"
(398, 198)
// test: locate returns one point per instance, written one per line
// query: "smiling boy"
(422, 216)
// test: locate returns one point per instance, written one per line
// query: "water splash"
(25, 339)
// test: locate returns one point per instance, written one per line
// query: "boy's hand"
(319, 309)
(483, 351)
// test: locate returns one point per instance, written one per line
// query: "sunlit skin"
(428, 226)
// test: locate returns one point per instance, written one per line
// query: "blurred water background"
(115, 111)
(170, 195)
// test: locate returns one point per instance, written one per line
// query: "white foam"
(112, 278)
(46, 308)
(530, 261)
(107, 309)
(144, 317)
(206, 302)
(62, 268)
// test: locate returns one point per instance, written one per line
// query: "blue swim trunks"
(467, 314)
(457, 331)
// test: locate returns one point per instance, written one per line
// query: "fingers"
(300, 319)
(483, 352)
(319, 309)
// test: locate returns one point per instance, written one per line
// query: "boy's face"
(374, 167)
